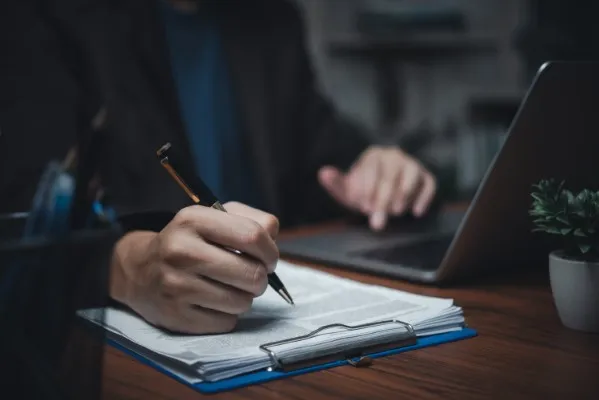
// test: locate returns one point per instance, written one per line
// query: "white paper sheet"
(321, 299)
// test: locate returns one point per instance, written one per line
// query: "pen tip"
(286, 296)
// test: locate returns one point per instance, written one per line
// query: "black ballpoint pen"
(209, 200)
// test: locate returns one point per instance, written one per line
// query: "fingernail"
(377, 220)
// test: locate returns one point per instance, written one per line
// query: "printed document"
(321, 300)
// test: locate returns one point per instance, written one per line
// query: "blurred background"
(443, 78)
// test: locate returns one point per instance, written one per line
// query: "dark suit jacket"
(38, 102)
(103, 63)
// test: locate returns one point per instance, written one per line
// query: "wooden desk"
(522, 352)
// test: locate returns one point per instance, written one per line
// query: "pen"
(209, 200)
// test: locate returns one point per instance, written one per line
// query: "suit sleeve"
(333, 139)
(324, 137)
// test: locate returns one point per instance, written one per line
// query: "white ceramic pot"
(575, 287)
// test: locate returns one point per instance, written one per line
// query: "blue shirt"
(207, 104)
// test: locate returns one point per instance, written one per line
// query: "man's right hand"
(183, 280)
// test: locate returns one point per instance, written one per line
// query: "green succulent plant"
(572, 216)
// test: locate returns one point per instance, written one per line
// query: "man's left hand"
(383, 181)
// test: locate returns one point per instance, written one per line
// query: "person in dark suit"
(231, 86)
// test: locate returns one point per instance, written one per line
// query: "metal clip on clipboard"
(354, 356)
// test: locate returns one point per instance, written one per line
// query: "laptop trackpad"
(361, 238)
(426, 253)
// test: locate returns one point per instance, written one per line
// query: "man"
(230, 85)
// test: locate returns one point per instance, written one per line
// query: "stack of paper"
(321, 300)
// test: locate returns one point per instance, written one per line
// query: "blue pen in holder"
(48, 272)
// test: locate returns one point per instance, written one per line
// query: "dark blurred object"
(38, 102)
(392, 18)
(559, 30)
(46, 350)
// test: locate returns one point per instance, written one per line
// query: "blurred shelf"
(497, 96)
(414, 45)
(388, 54)
(495, 104)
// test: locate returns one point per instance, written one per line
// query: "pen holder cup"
(46, 350)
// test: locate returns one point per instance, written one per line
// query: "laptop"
(554, 134)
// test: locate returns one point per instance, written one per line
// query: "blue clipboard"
(264, 376)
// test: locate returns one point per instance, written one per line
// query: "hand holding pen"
(183, 278)
(201, 195)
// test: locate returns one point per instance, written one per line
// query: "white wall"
(436, 92)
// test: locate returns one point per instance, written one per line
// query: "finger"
(386, 185)
(426, 195)
(231, 231)
(409, 183)
(217, 296)
(362, 183)
(195, 320)
(185, 288)
(333, 180)
(219, 264)
(268, 221)
(355, 174)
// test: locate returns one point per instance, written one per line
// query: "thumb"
(333, 180)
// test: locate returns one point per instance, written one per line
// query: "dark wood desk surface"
(522, 351)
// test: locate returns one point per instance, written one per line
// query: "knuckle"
(377, 148)
(396, 151)
(171, 280)
(259, 280)
(388, 185)
(410, 165)
(236, 303)
(232, 204)
(170, 288)
(402, 191)
(197, 322)
(252, 234)
(175, 321)
(274, 258)
(227, 323)
(271, 223)
(243, 304)
(386, 192)
(170, 247)
(185, 215)
(428, 181)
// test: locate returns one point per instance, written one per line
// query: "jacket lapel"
(148, 44)
(143, 37)
(247, 64)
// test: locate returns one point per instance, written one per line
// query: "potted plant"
(574, 267)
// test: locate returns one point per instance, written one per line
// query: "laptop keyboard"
(426, 254)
